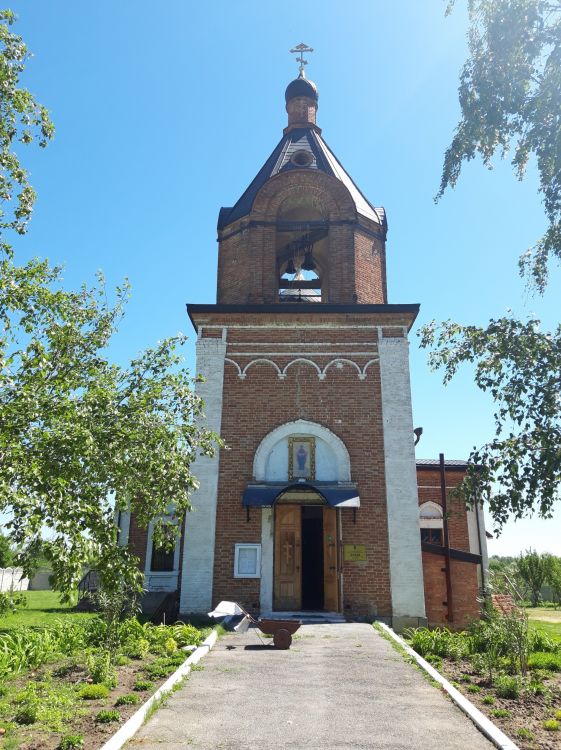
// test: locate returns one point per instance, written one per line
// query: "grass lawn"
(548, 620)
(43, 608)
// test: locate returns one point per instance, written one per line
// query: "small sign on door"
(354, 552)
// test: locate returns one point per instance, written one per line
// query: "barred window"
(162, 560)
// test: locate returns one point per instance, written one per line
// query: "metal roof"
(432, 463)
(323, 159)
(264, 494)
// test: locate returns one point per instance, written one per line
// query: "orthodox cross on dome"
(299, 50)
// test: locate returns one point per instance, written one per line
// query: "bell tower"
(314, 502)
(302, 213)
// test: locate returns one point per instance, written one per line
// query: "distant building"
(318, 502)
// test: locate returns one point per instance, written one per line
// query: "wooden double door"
(306, 566)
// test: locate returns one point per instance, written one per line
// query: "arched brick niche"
(332, 459)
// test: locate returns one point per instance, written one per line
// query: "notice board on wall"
(354, 552)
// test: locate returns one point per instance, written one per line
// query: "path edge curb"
(133, 724)
(485, 725)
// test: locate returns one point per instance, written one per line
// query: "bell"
(309, 263)
(290, 267)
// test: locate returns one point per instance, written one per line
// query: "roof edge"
(295, 307)
(428, 464)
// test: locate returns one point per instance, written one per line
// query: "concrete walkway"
(339, 686)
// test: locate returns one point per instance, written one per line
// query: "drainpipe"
(449, 599)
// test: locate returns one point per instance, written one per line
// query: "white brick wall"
(406, 567)
(266, 595)
(200, 526)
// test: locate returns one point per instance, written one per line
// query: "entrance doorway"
(306, 565)
(312, 557)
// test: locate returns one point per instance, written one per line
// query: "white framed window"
(431, 522)
(160, 561)
(247, 561)
(430, 516)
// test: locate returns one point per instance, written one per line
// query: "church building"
(318, 502)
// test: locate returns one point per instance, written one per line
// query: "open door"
(288, 557)
(330, 567)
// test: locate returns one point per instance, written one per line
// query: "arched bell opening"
(301, 244)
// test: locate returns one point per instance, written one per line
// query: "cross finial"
(300, 49)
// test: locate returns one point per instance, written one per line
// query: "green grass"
(544, 613)
(43, 608)
(553, 629)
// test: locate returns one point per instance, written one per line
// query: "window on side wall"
(431, 522)
(162, 560)
(432, 536)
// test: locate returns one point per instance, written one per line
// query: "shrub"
(100, 668)
(160, 668)
(122, 661)
(536, 686)
(558, 715)
(501, 636)
(170, 646)
(524, 734)
(540, 641)
(438, 641)
(488, 663)
(106, 717)
(436, 661)
(93, 692)
(187, 635)
(127, 700)
(27, 713)
(540, 674)
(142, 685)
(136, 648)
(488, 700)
(473, 689)
(71, 742)
(26, 648)
(552, 725)
(545, 660)
(507, 686)
(501, 713)
(11, 601)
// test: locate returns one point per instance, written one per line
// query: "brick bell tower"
(313, 505)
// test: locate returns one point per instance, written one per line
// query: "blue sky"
(165, 112)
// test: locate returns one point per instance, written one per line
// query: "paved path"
(339, 686)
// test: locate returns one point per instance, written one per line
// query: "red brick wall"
(247, 267)
(349, 407)
(463, 574)
(138, 539)
(301, 110)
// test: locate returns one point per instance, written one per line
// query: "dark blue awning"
(336, 495)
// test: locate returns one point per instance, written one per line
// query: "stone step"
(307, 617)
